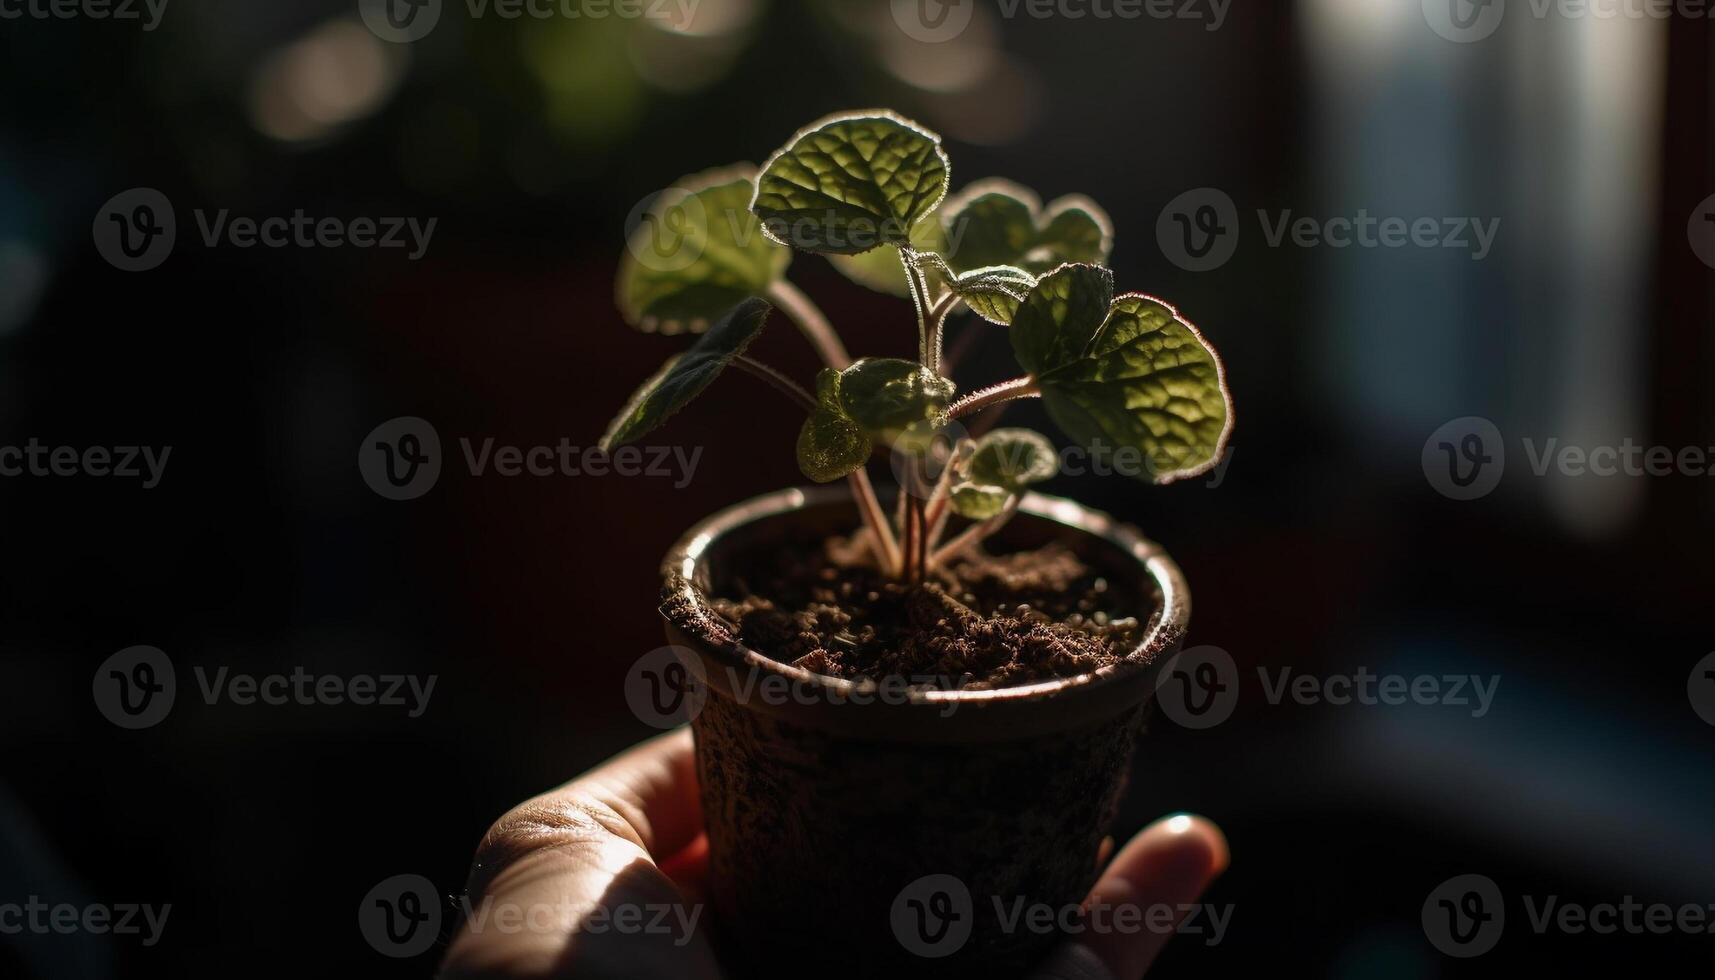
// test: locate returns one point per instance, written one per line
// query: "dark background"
(1323, 549)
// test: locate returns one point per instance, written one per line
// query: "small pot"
(864, 830)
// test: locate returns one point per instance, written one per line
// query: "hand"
(630, 832)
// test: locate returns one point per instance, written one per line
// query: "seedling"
(1123, 374)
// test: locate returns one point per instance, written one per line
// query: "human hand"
(630, 833)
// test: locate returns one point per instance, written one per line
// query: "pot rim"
(1166, 628)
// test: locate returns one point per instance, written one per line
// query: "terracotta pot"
(865, 830)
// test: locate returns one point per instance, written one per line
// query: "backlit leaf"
(850, 183)
(684, 377)
(697, 252)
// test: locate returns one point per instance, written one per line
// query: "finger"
(578, 866)
(1168, 865)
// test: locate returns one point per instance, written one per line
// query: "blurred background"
(1324, 546)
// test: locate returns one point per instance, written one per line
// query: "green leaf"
(697, 253)
(851, 182)
(881, 269)
(684, 377)
(994, 292)
(997, 222)
(894, 399)
(1055, 322)
(1013, 459)
(830, 444)
(978, 501)
(1126, 374)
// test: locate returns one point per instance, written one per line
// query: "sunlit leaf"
(881, 269)
(894, 399)
(850, 183)
(1055, 322)
(978, 501)
(997, 222)
(830, 444)
(994, 292)
(1125, 374)
(696, 253)
(1013, 459)
(684, 377)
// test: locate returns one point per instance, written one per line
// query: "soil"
(984, 621)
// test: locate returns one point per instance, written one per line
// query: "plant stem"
(974, 534)
(811, 322)
(938, 326)
(781, 382)
(881, 536)
(919, 301)
(976, 401)
(937, 511)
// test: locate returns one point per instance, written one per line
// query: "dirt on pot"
(982, 621)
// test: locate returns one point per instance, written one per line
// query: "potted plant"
(914, 712)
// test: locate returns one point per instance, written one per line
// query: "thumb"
(1164, 869)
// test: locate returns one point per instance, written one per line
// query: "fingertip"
(1197, 837)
